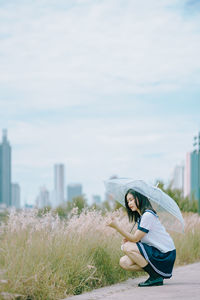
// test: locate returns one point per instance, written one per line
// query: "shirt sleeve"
(146, 222)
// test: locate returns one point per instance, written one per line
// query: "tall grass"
(188, 244)
(49, 258)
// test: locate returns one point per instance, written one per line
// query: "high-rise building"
(42, 199)
(195, 171)
(96, 199)
(73, 190)
(5, 171)
(108, 197)
(178, 178)
(16, 195)
(59, 183)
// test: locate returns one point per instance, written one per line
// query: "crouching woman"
(150, 248)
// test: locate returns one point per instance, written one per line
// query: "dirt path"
(185, 284)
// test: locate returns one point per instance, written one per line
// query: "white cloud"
(109, 46)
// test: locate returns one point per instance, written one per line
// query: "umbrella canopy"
(166, 208)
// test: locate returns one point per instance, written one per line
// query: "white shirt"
(156, 235)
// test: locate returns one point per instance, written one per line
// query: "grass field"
(50, 258)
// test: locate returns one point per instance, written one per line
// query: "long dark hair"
(141, 202)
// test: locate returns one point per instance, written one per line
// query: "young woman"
(150, 248)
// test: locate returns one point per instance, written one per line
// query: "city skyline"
(182, 177)
(112, 87)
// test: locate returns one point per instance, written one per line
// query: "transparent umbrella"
(166, 208)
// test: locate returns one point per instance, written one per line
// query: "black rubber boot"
(154, 278)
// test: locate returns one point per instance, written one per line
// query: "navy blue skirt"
(161, 262)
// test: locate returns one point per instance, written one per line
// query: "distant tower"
(59, 182)
(178, 178)
(5, 171)
(96, 199)
(195, 171)
(16, 195)
(73, 190)
(108, 197)
(42, 199)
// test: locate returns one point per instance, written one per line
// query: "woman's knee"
(125, 262)
(130, 247)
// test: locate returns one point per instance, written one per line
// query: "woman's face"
(131, 202)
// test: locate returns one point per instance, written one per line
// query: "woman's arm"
(136, 237)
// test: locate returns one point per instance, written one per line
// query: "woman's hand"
(112, 223)
(124, 241)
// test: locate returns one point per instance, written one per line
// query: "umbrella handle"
(132, 227)
(157, 184)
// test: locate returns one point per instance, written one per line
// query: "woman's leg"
(127, 264)
(132, 251)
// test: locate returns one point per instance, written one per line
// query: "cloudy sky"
(104, 86)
